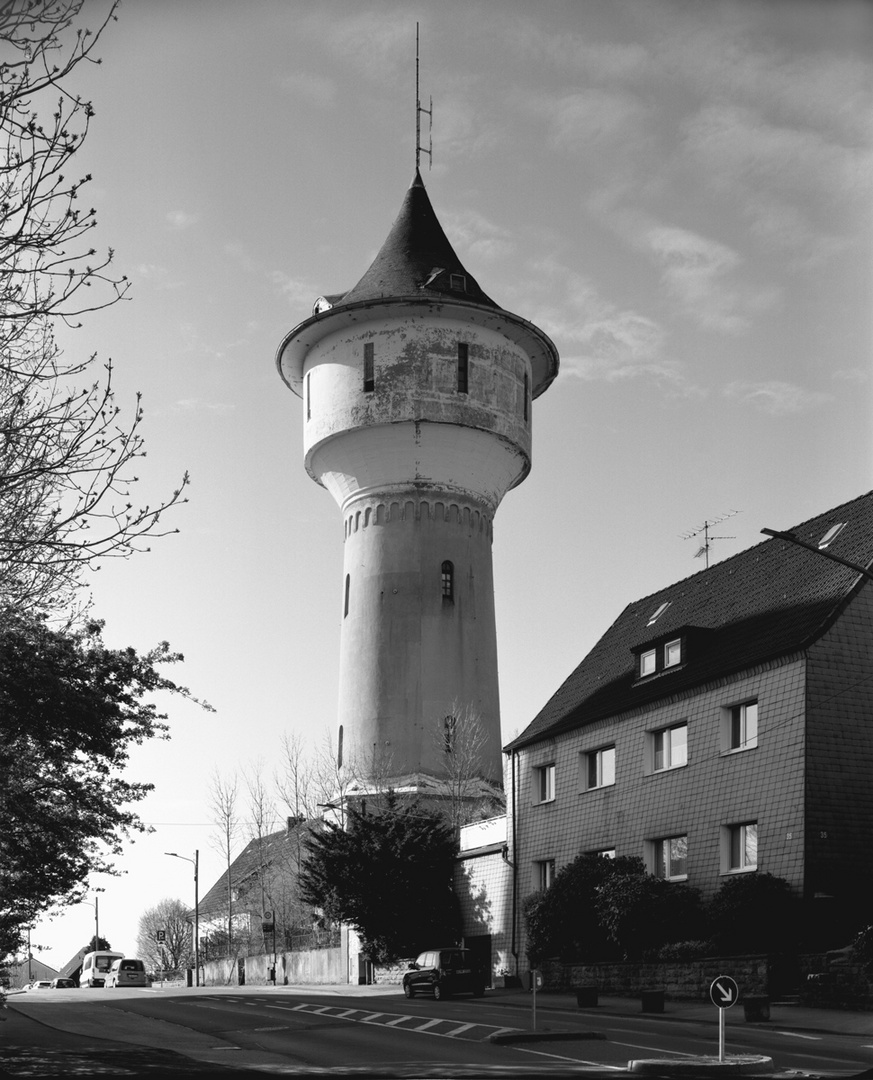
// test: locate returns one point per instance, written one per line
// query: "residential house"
(721, 726)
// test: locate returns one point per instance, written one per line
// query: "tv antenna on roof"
(419, 149)
(708, 538)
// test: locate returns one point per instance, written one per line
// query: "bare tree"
(175, 952)
(461, 738)
(66, 457)
(223, 795)
(262, 822)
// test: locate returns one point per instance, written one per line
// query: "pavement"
(85, 1054)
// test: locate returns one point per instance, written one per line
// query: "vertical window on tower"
(346, 598)
(447, 577)
(309, 396)
(369, 369)
(449, 725)
(463, 367)
(525, 407)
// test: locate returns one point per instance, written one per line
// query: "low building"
(721, 726)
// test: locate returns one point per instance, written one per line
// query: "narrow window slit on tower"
(346, 599)
(525, 406)
(369, 369)
(309, 396)
(463, 367)
(447, 573)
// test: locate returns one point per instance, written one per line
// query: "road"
(290, 1029)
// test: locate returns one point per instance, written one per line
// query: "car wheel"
(407, 989)
(438, 992)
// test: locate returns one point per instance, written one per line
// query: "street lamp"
(196, 862)
(792, 539)
(96, 907)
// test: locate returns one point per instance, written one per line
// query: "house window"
(669, 747)
(648, 662)
(458, 282)
(447, 578)
(463, 367)
(740, 728)
(671, 858)
(544, 873)
(604, 853)
(600, 768)
(673, 653)
(369, 369)
(544, 777)
(346, 597)
(742, 847)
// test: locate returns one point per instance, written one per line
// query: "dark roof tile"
(769, 601)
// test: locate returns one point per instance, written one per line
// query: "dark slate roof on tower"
(772, 600)
(417, 259)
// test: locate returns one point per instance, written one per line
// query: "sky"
(677, 192)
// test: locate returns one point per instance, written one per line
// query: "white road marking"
(797, 1035)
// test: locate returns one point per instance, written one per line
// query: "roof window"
(653, 618)
(458, 281)
(831, 535)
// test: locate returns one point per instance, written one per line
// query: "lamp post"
(96, 907)
(196, 862)
(792, 539)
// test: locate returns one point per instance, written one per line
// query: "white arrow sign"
(724, 992)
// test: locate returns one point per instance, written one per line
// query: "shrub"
(754, 913)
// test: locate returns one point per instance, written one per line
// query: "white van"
(96, 965)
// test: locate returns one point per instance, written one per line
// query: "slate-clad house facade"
(721, 726)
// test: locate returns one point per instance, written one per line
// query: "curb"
(746, 1065)
(506, 1037)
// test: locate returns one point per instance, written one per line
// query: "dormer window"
(660, 656)
(458, 282)
(673, 653)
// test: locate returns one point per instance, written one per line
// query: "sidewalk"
(794, 1017)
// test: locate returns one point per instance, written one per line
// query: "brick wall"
(715, 789)
(688, 980)
(839, 794)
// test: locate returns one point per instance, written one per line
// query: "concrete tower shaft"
(417, 392)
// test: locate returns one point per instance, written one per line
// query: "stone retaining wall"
(686, 980)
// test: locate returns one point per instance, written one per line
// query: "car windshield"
(454, 959)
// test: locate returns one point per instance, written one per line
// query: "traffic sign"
(161, 935)
(724, 992)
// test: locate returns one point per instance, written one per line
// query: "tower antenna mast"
(703, 551)
(419, 149)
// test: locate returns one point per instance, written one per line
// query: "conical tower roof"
(417, 259)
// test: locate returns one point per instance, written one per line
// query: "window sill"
(667, 769)
(544, 802)
(734, 871)
(599, 787)
(738, 749)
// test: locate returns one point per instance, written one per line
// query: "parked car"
(127, 972)
(63, 984)
(95, 966)
(443, 972)
(42, 984)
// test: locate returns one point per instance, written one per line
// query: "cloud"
(582, 120)
(479, 237)
(295, 290)
(179, 220)
(774, 397)
(693, 268)
(851, 375)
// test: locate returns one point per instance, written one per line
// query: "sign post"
(723, 993)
